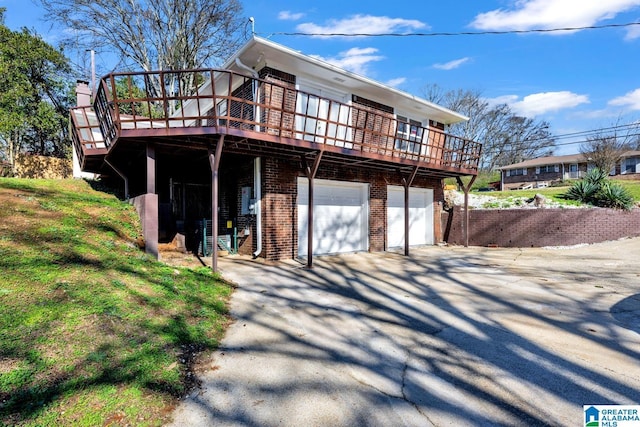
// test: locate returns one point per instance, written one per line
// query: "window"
(408, 135)
(574, 171)
(630, 165)
(547, 169)
(517, 172)
(322, 118)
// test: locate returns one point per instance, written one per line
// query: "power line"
(585, 133)
(562, 144)
(453, 34)
(584, 137)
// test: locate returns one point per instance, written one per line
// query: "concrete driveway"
(448, 336)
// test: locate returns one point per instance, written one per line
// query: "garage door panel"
(420, 216)
(340, 217)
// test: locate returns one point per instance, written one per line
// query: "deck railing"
(154, 103)
(86, 135)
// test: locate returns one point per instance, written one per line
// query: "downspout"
(245, 67)
(257, 189)
(257, 183)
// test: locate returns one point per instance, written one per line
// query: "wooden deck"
(261, 117)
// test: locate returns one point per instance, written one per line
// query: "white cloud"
(505, 99)
(541, 103)
(546, 14)
(451, 65)
(396, 82)
(355, 59)
(286, 15)
(593, 114)
(362, 24)
(633, 33)
(631, 100)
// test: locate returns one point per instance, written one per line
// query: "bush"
(596, 189)
(613, 195)
(596, 176)
(583, 191)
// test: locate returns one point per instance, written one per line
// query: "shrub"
(613, 195)
(583, 191)
(596, 189)
(596, 176)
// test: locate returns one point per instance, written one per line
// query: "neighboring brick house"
(245, 145)
(544, 171)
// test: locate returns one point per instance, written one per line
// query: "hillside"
(93, 331)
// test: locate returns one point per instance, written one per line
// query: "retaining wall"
(33, 166)
(539, 227)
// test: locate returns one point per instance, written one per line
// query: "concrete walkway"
(448, 336)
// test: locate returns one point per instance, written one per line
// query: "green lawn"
(92, 330)
(633, 187)
(556, 193)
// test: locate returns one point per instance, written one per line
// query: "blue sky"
(577, 80)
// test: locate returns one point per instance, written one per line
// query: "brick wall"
(279, 213)
(282, 96)
(628, 177)
(279, 203)
(373, 122)
(540, 227)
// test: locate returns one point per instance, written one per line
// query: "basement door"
(420, 216)
(340, 217)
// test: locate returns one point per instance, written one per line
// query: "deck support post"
(150, 215)
(310, 171)
(466, 189)
(214, 162)
(406, 183)
(151, 168)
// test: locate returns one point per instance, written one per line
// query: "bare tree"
(506, 137)
(153, 34)
(604, 150)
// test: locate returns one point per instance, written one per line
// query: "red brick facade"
(374, 122)
(540, 227)
(279, 213)
(283, 97)
(279, 203)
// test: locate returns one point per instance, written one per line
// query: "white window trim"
(414, 145)
(324, 93)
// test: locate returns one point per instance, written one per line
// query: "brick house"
(544, 171)
(286, 155)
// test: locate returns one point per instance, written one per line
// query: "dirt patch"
(8, 364)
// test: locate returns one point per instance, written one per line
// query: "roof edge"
(255, 40)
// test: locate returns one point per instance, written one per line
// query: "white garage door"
(340, 216)
(420, 216)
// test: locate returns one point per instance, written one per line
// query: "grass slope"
(93, 331)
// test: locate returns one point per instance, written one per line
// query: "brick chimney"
(83, 94)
